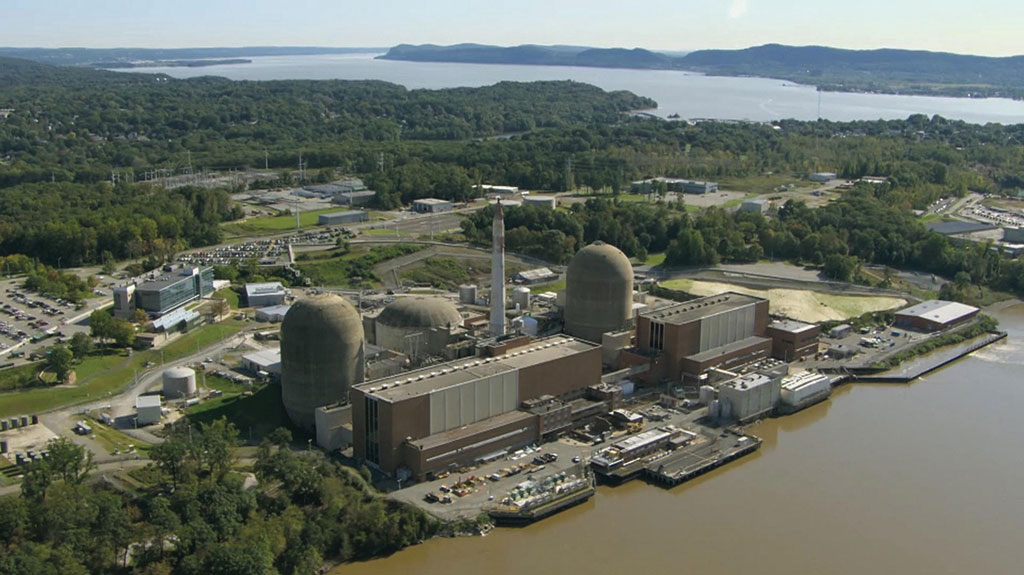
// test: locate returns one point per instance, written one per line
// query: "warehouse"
(546, 202)
(272, 314)
(756, 205)
(431, 206)
(535, 276)
(266, 362)
(264, 294)
(340, 218)
(360, 198)
(793, 340)
(934, 315)
(822, 177)
(686, 339)
(453, 413)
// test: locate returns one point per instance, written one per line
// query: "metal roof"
(791, 326)
(536, 274)
(937, 310)
(441, 376)
(144, 401)
(431, 201)
(697, 309)
(175, 317)
(264, 357)
(265, 288)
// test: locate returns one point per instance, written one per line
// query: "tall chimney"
(498, 274)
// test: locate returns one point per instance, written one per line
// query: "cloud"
(738, 8)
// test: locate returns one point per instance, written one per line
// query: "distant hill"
(94, 56)
(530, 55)
(884, 70)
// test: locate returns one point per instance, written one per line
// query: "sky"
(984, 27)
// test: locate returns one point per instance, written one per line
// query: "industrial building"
(676, 185)
(417, 326)
(840, 331)
(756, 205)
(684, 340)
(1013, 235)
(503, 190)
(341, 218)
(822, 177)
(750, 396)
(172, 290)
(454, 413)
(598, 292)
(179, 382)
(793, 340)
(147, 410)
(272, 314)
(322, 355)
(360, 198)
(535, 276)
(265, 294)
(933, 315)
(431, 206)
(263, 363)
(803, 387)
(546, 202)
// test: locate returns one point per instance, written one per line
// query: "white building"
(265, 294)
(272, 314)
(750, 396)
(267, 361)
(431, 206)
(147, 408)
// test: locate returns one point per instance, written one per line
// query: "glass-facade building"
(174, 290)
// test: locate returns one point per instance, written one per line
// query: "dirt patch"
(803, 305)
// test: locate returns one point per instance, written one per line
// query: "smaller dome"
(420, 312)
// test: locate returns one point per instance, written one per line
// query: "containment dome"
(598, 292)
(321, 355)
(420, 312)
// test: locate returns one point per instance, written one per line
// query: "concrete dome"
(598, 292)
(420, 312)
(321, 355)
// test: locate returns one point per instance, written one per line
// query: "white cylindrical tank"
(467, 293)
(179, 382)
(521, 298)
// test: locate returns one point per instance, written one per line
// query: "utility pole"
(380, 162)
(266, 159)
(568, 174)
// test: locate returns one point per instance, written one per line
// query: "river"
(912, 479)
(689, 95)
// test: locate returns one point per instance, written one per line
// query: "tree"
(59, 362)
(100, 323)
(109, 265)
(81, 345)
(122, 332)
(69, 461)
(170, 457)
(140, 316)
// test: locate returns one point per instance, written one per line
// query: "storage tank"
(598, 292)
(321, 355)
(467, 294)
(179, 382)
(707, 394)
(521, 298)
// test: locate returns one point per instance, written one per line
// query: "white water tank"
(467, 293)
(521, 298)
(179, 382)
(707, 394)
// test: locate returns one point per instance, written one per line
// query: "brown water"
(923, 478)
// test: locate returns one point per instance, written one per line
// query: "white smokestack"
(498, 274)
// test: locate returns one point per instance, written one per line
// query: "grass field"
(553, 286)
(102, 375)
(20, 377)
(255, 415)
(803, 305)
(654, 259)
(278, 223)
(230, 295)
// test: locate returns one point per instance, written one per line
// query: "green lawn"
(553, 286)
(378, 232)
(279, 223)
(103, 375)
(655, 259)
(222, 384)
(230, 295)
(20, 377)
(257, 413)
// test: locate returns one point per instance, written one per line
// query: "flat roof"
(144, 401)
(264, 288)
(445, 437)
(748, 381)
(441, 376)
(791, 326)
(726, 349)
(274, 309)
(958, 227)
(645, 438)
(431, 201)
(938, 310)
(168, 279)
(801, 380)
(686, 312)
(264, 357)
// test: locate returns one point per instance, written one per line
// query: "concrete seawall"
(928, 363)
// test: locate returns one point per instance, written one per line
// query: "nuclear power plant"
(419, 384)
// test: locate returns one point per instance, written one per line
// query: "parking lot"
(30, 322)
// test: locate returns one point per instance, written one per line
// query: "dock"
(685, 464)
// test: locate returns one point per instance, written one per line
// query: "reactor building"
(322, 356)
(598, 292)
(416, 326)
